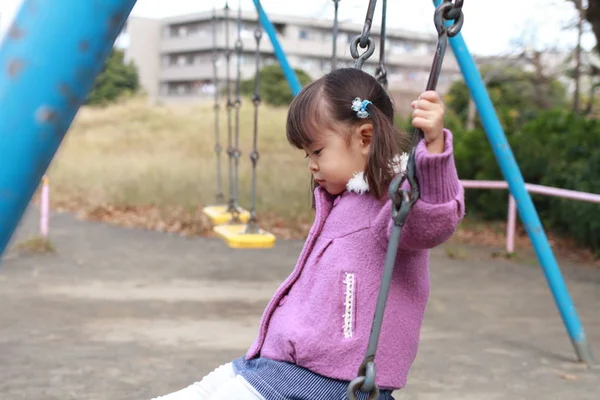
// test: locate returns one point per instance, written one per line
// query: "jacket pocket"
(349, 304)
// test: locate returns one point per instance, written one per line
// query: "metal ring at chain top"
(361, 58)
(455, 11)
(456, 26)
(369, 374)
(355, 385)
(364, 40)
(446, 12)
(366, 31)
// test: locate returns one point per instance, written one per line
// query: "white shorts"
(221, 384)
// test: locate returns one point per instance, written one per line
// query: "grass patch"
(135, 156)
(36, 245)
(456, 253)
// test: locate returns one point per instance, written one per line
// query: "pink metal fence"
(45, 208)
(531, 188)
(511, 224)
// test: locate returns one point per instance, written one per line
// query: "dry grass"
(155, 167)
(36, 244)
(161, 159)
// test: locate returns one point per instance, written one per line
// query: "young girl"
(314, 331)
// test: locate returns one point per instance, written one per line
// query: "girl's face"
(333, 159)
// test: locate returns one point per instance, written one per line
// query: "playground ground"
(125, 314)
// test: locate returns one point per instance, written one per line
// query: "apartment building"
(174, 55)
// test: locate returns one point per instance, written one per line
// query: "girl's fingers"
(422, 123)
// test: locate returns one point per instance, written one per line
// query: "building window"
(201, 58)
(164, 88)
(247, 30)
(268, 60)
(400, 46)
(423, 48)
(303, 34)
(280, 28)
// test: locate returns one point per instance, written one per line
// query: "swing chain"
(252, 225)
(364, 40)
(381, 70)
(335, 34)
(403, 199)
(220, 197)
(235, 149)
(231, 203)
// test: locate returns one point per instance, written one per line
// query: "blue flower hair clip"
(360, 107)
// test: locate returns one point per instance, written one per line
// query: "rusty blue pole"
(288, 71)
(527, 211)
(49, 60)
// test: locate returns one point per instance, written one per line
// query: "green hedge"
(274, 88)
(116, 79)
(557, 148)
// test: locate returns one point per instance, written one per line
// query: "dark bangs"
(306, 115)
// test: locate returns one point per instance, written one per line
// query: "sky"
(486, 31)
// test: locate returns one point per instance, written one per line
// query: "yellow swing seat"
(236, 237)
(219, 215)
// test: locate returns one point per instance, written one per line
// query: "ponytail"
(387, 142)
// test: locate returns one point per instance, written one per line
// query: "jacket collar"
(358, 183)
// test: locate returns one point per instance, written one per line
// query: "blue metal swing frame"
(50, 58)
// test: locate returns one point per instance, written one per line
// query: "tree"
(116, 79)
(274, 88)
(518, 95)
(577, 70)
(592, 14)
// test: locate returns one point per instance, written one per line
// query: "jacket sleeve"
(440, 208)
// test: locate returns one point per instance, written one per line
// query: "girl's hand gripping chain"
(428, 115)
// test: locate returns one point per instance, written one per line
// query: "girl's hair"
(327, 102)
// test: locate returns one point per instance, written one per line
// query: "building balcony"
(201, 72)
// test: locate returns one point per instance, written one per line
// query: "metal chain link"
(364, 40)
(402, 203)
(455, 13)
(220, 197)
(366, 32)
(252, 226)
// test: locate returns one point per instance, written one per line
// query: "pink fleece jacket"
(320, 317)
